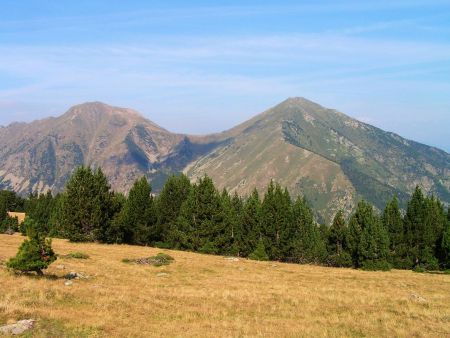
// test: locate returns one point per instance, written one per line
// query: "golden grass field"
(210, 296)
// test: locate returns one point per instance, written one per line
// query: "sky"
(204, 66)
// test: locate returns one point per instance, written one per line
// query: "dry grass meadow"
(210, 296)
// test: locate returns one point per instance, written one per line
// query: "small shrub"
(260, 253)
(419, 269)
(34, 255)
(158, 260)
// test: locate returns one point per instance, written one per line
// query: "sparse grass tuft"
(76, 255)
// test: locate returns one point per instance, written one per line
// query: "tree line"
(197, 217)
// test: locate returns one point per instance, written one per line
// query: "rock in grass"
(162, 274)
(68, 283)
(417, 298)
(18, 328)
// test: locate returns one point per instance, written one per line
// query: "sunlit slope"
(329, 157)
(210, 296)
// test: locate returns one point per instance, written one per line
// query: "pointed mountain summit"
(327, 156)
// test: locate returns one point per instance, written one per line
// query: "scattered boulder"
(17, 328)
(232, 259)
(75, 275)
(68, 283)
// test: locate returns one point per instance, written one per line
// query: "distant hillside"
(330, 158)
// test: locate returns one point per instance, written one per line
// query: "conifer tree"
(232, 208)
(445, 244)
(168, 205)
(251, 228)
(306, 244)
(424, 225)
(259, 254)
(393, 222)
(338, 248)
(35, 253)
(39, 207)
(201, 225)
(276, 221)
(368, 239)
(86, 206)
(137, 220)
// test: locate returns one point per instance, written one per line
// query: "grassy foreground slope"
(211, 296)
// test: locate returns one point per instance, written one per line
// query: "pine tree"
(445, 244)
(168, 205)
(338, 248)
(201, 226)
(424, 226)
(39, 207)
(250, 221)
(368, 239)
(306, 244)
(34, 255)
(232, 208)
(86, 206)
(136, 222)
(259, 254)
(393, 222)
(276, 221)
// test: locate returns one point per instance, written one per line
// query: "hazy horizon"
(199, 68)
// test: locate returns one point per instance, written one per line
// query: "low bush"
(76, 255)
(158, 260)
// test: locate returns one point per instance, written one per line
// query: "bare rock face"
(324, 155)
(17, 328)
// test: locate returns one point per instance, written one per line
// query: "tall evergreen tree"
(393, 222)
(86, 206)
(136, 223)
(250, 225)
(232, 208)
(276, 221)
(305, 241)
(445, 244)
(168, 205)
(39, 208)
(424, 226)
(338, 247)
(201, 226)
(368, 239)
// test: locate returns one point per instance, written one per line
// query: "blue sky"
(204, 66)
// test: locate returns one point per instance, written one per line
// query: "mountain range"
(328, 157)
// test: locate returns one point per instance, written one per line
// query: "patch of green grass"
(76, 255)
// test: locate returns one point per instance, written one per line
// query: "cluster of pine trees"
(197, 217)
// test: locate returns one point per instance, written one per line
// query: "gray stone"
(68, 283)
(18, 328)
